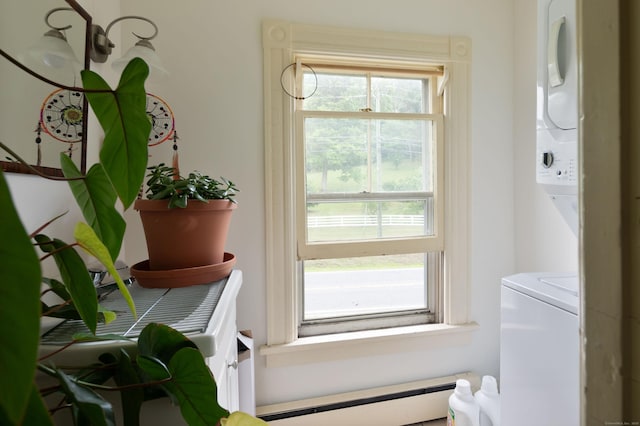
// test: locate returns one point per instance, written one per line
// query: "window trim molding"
(281, 40)
(332, 347)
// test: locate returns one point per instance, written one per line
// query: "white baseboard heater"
(386, 406)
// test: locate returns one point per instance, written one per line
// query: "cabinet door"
(224, 363)
(233, 395)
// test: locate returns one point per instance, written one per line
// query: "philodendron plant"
(165, 362)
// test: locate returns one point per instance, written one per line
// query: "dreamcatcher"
(162, 125)
(61, 118)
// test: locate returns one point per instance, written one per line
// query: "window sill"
(371, 342)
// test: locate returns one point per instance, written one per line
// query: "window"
(366, 184)
(369, 223)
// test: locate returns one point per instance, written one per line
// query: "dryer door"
(562, 66)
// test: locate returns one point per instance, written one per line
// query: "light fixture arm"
(142, 18)
(101, 45)
(46, 18)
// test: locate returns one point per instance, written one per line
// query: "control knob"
(547, 159)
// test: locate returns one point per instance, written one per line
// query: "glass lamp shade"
(53, 50)
(145, 51)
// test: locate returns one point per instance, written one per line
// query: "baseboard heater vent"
(398, 405)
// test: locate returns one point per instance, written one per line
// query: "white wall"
(214, 53)
(213, 50)
(544, 242)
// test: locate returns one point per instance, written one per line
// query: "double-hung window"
(367, 188)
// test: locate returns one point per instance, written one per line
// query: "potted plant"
(186, 222)
(154, 366)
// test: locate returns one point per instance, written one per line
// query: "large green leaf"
(153, 367)
(75, 277)
(89, 241)
(161, 341)
(192, 385)
(88, 406)
(96, 198)
(36, 412)
(20, 313)
(122, 115)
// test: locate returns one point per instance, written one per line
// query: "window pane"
(401, 95)
(335, 288)
(401, 157)
(335, 92)
(336, 155)
(342, 221)
(362, 155)
(368, 179)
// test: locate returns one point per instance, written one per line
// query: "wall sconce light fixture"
(54, 50)
(101, 47)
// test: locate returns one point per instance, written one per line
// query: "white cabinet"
(224, 363)
(218, 343)
(186, 309)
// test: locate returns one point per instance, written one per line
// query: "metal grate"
(186, 309)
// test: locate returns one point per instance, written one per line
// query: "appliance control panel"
(557, 162)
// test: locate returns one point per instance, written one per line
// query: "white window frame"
(415, 244)
(282, 41)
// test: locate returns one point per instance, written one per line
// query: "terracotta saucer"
(172, 278)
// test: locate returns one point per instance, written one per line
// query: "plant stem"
(34, 170)
(54, 251)
(37, 231)
(60, 349)
(45, 79)
(56, 308)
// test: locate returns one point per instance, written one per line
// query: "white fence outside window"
(365, 220)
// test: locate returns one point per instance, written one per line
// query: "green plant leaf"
(69, 311)
(96, 198)
(86, 337)
(107, 315)
(57, 287)
(88, 406)
(75, 277)
(164, 183)
(162, 342)
(36, 412)
(238, 418)
(122, 115)
(133, 398)
(20, 277)
(89, 241)
(194, 388)
(153, 367)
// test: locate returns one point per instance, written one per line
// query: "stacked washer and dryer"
(539, 346)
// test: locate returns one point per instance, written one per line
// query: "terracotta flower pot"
(185, 238)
